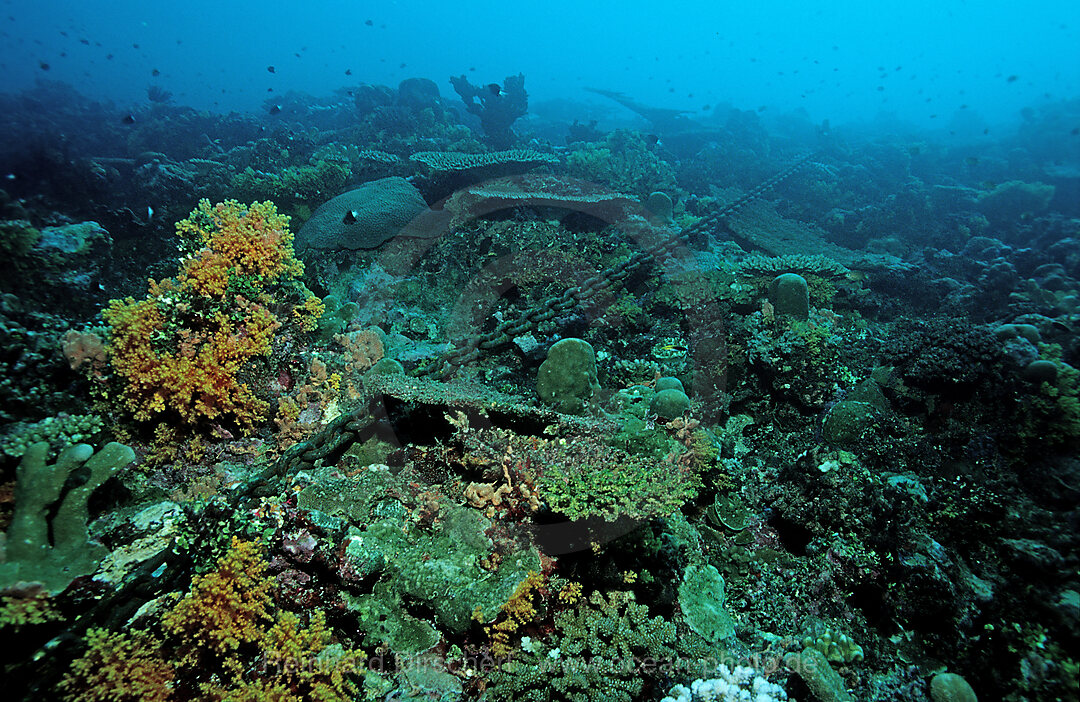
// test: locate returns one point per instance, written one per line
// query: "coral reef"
(745, 408)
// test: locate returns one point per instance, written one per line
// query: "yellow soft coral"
(119, 667)
(225, 609)
(183, 348)
(237, 240)
(519, 610)
(197, 382)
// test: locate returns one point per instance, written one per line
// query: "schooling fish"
(274, 109)
(129, 119)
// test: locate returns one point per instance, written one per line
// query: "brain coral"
(365, 217)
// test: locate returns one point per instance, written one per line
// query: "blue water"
(923, 62)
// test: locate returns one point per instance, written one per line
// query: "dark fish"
(85, 42)
(134, 46)
(274, 109)
(369, 23)
(1012, 79)
(1075, 131)
(128, 119)
(109, 57)
(155, 73)
(348, 71)
(652, 139)
(472, 68)
(271, 69)
(494, 88)
(402, 65)
(44, 66)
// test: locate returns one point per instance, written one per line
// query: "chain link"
(504, 333)
(362, 422)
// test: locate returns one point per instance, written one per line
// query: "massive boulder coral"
(364, 218)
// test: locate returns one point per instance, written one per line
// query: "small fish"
(1012, 79)
(9, 176)
(134, 46)
(109, 57)
(1075, 131)
(402, 65)
(274, 109)
(494, 89)
(149, 213)
(128, 119)
(348, 71)
(44, 66)
(155, 73)
(271, 69)
(369, 23)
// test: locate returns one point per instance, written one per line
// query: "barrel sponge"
(567, 379)
(364, 218)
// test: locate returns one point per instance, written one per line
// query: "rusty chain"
(366, 420)
(467, 350)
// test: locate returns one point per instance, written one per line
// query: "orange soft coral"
(184, 347)
(235, 240)
(197, 380)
